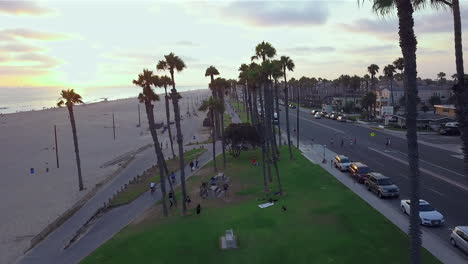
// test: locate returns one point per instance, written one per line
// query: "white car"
(317, 116)
(342, 162)
(459, 238)
(427, 214)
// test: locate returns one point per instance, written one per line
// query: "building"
(445, 110)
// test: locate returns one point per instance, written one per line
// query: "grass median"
(324, 222)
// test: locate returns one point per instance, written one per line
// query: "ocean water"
(26, 99)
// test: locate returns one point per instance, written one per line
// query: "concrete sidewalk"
(440, 249)
(104, 228)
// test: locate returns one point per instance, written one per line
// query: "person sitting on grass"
(254, 162)
(188, 200)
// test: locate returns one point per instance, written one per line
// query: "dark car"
(451, 128)
(292, 106)
(359, 171)
(381, 185)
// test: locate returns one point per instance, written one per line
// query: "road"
(442, 181)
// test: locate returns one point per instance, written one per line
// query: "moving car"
(341, 118)
(317, 116)
(381, 185)
(342, 162)
(451, 128)
(459, 238)
(427, 214)
(313, 112)
(334, 116)
(292, 106)
(275, 118)
(359, 171)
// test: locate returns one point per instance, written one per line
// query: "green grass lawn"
(139, 187)
(324, 223)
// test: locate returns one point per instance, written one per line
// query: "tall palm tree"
(408, 43)
(221, 84)
(277, 74)
(173, 63)
(69, 98)
(367, 79)
(164, 81)
(212, 105)
(288, 65)
(145, 80)
(212, 71)
(373, 69)
(399, 64)
(389, 70)
(264, 51)
(243, 76)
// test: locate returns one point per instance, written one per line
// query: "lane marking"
(439, 193)
(329, 127)
(432, 164)
(454, 183)
(458, 156)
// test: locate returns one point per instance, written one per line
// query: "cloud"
(30, 34)
(19, 7)
(266, 13)
(186, 43)
(305, 50)
(386, 29)
(37, 59)
(373, 49)
(18, 47)
(21, 71)
(427, 51)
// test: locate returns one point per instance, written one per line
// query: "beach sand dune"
(30, 201)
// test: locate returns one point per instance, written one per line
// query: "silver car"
(459, 238)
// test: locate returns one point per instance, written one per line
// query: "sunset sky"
(107, 43)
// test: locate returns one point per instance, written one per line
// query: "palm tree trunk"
(168, 118)
(286, 103)
(460, 90)
(266, 155)
(213, 135)
(158, 152)
(408, 45)
(180, 142)
(246, 104)
(271, 136)
(297, 117)
(223, 143)
(391, 91)
(278, 111)
(77, 150)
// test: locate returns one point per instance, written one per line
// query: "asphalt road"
(442, 181)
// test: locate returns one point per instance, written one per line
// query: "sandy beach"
(30, 201)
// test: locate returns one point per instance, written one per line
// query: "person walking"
(196, 163)
(171, 198)
(173, 178)
(198, 209)
(387, 144)
(152, 187)
(191, 165)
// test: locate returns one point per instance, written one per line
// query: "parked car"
(342, 162)
(451, 128)
(427, 214)
(328, 115)
(292, 106)
(334, 116)
(323, 113)
(341, 118)
(313, 112)
(381, 185)
(317, 116)
(360, 171)
(459, 238)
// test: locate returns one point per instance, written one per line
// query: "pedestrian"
(172, 177)
(342, 142)
(225, 188)
(188, 200)
(152, 187)
(198, 209)
(191, 165)
(213, 181)
(171, 198)
(331, 141)
(388, 142)
(196, 163)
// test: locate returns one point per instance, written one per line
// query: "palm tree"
(454, 77)
(243, 76)
(263, 51)
(408, 43)
(220, 84)
(173, 63)
(69, 98)
(399, 64)
(276, 74)
(212, 71)
(145, 80)
(373, 69)
(288, 65)
(164, 81)
(389, 70)
(211, 104)
(367, 79)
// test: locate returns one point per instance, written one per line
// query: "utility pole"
(139, 119)
(56, 146)
(113, 124)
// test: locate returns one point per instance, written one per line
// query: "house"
(445, 110)
(425, 120)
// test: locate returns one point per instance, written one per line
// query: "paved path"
(52, 250)
(230, 110)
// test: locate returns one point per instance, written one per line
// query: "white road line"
(458, 156)
(427, 162)
(454, 183)
(439, 193)
(329, 127)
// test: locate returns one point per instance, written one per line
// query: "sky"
(103, 43)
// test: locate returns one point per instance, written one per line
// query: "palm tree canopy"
(277, 69)
(174, 62)
(145, 80)
(69, 98)
(287, 63)
(373, 69)
(211, 71)
(441, 75)
(389, 70)
(399, 64)
(165, 80)
(264, 50)
(385, 7)
(211, 104)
